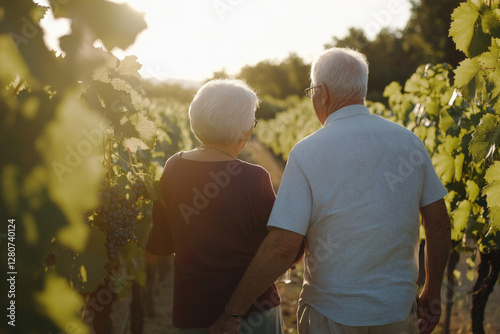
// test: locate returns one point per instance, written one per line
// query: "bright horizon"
(190, 40)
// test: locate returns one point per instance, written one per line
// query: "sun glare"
(193, 39)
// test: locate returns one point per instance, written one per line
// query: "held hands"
(428, 312)
(225, 325)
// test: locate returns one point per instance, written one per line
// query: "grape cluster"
(116, 216)
(140, 189)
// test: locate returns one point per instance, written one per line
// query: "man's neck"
(339, 104)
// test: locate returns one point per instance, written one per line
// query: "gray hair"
(222, 111)
(343, 71)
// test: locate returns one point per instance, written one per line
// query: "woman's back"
(213, 217)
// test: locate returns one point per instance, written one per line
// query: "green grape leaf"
(451, 143)
(77, 44)
(466, 77)
(432, 107)
(491, 21)
(472, 190)
(122, 182)
(158, 172)
(494, 77)
(445, 121)
(61, 303)
(459, 163)
(445, 166)
(130, 67)
(86, 268)
(421, 132)
(494, 220)
(145, 128)
(486, 138)
(416, 84)
(9, 55)
(467, 30)
(111, 63)
(127, 78)
(134, 261)
(492, 189)
(430, 139)
(489, 61)
(112, 103)
(38, 13)
(115, 24)
(460, 218)
(490, 58)
(71, 146)
(393, 93)
(150, 185)
(133, 143)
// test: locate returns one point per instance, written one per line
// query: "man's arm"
(276, 254)
(437, 228)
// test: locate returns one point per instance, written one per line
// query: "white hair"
(222, 111)
(343, 71)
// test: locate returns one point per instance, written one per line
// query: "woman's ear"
(244, 139)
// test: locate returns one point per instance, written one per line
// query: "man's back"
(362, 180)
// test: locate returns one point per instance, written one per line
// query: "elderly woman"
(214, 212)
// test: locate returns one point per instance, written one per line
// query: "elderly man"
(354, 190)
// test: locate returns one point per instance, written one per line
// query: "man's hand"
(275, 255)
(429, 312)
(225, 325)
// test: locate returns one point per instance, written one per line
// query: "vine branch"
(125, 161)
(18, 87)
(110, 146)
(130, 159)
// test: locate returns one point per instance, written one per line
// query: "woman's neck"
(222, 149)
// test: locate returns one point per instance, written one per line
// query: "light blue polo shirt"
(354, 189)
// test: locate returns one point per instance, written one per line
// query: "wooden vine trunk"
(102, 300)
(136, 310)
(452, 264)
(488, 270)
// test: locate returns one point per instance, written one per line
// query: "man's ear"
(326, 97)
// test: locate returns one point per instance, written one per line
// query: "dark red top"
(214, 218)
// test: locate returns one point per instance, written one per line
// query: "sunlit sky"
(191, 39)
